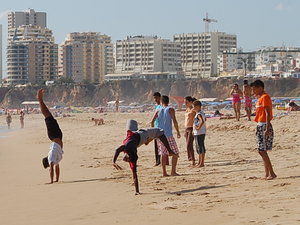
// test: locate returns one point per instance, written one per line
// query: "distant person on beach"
(8, 120)
(218, 114)
(134, 139)
(293, 107)
(117, 104)
(165, 117)
(98, 121)
(157, 100)
(247, 92)
(236, 94)
(199, 131)
(55, 135)
(22, 115)
(264, 129)
(188, 134)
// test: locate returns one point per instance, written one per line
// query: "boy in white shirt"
(55, 135)
(199, 131)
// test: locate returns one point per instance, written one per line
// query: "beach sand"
(226, 191)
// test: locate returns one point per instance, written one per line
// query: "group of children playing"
(161, 132)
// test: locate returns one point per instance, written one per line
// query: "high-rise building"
(32, 55)
(199, 52)
(1, 69)
(141, 54)
(27, 17)
(86, 56)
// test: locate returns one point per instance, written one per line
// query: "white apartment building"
(275, 59)
(32, 55)
(86, 56)
(141, 54)
(27, 17)
(234, 62)
(199, 52)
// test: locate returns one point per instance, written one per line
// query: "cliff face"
(137, 91)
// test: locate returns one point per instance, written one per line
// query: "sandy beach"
(228, 190)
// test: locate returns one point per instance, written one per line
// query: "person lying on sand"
(293, 107)
(134, 139)
(55, 135)
(98, 121)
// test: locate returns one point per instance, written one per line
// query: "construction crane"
(207, 21)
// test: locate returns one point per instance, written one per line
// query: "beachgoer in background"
(55, 135)
(236, 94)
(199, 131)
(264, 130)
(165, 117)
(134, 139)
(157, 99)
(98, 121)
(293, 107)
(117, 104)
(189, 119)
(22, 115)
(218, 114)
(8, 120)
(247, 92)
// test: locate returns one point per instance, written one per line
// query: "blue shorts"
(200, 147)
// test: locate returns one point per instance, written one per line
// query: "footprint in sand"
(170, 207)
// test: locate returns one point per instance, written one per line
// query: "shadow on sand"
(196, 189)
(231, 162)
(92, 180)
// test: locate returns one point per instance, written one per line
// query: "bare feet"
(137, 193)
(166, 175)
(175, 174)
(271, 177)
(198, 165)
(40, 94)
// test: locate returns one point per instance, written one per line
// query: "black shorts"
(200, 147)
(53, 129)
(131, 147)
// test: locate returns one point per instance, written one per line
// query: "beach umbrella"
(278, 100)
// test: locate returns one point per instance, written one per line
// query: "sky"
(256, 23)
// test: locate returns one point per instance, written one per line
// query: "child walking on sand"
(199, 130)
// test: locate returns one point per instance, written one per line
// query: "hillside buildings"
(276, 59)
(32, 55)
(236, 61)
(86, 56)
(199, 52)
